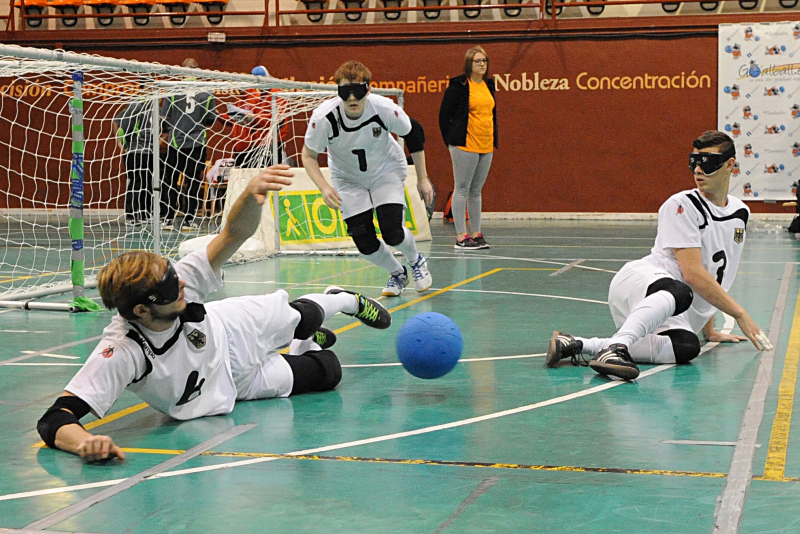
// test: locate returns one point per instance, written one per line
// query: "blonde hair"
(128, 278)
(353, 71)
(469, 56)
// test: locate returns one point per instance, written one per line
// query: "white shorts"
(257, 327)
(389, 188)
(629, 288)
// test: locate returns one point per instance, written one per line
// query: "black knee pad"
(314, 371)
(680, 290)
(390, 219)
(685, 344)
(362, 230)
(311, 317)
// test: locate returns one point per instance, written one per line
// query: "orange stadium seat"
(139, 6)
(33, 7)
(103, 7)
(67, 7)
(213, 5)
(175, 6)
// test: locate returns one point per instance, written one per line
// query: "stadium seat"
(472, 13)
(670, 7)
(433, 14)
(175, 6)
(139, 6)
(67, 7)
(392, 15)
(548, 8)
(32, 8)
(213, 5)
(314, 4)
(102, 7)
(748, 5)
(353, 4)
(512, 11)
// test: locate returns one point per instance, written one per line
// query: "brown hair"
(713, 138)
(468, 57)
(190, 63)
(353, 71)
(128, 278)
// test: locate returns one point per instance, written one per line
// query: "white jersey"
(183, 371)
(359, 150)
(688, 220)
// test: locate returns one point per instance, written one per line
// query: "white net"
(77, 188)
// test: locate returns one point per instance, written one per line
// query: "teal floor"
(498, 445)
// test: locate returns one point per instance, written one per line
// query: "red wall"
(604, 150)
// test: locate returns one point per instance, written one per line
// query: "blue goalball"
(429, 345)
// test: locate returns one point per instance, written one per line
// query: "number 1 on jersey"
(361, 154)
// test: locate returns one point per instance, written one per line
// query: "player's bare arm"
(246, 213)
(71, 437)
(311, 165)
(714, 336)
(423, 182)
(702, 283)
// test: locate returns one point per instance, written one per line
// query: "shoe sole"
(466, 248)
(611, 370)
(553, 354)
(390, 294)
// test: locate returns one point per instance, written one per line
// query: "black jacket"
(454, 111)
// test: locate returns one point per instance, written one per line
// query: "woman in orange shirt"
(468, 122)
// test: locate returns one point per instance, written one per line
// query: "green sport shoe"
(369, 311)
(324, 338)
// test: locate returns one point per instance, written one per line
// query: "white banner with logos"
(758, 104)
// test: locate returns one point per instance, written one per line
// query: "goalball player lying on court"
(368, 170)
(188, 359)
(662, 301)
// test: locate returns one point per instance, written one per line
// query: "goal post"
(99, 156)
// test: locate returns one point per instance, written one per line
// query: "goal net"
(100, 156)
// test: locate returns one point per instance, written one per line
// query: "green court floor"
(500, 444)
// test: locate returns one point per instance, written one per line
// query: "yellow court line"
(529, 269)
(107, 419)
(775, 467)
(446, 463)
(426, 297)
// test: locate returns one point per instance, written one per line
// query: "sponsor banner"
(305, 222)
(759, 106)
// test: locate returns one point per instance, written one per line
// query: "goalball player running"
(188, 359)
(661, 302)
(369, 169)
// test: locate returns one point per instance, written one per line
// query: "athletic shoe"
(369, 311)
(564, 346)
(422, 276)
(467, 244)
(615, 361)
(480, 241)
(324, 338)
(191, 226)
(396, 284)
(167, 224)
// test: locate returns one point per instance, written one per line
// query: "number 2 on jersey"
(361, 154)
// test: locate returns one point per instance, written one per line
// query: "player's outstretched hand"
(753, 332)
(331, 197)
(98, 448)
(425, 190)
(720, 337)
(270, 179)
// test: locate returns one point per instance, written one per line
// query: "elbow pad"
(415, 139)
(56, 417)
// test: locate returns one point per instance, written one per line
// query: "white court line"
(51, 355)
(27, 331)
(21, 364)
(463, 360)
(426, 430)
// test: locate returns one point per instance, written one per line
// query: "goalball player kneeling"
(368, 170)
(188, 359)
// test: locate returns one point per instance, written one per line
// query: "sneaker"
(324, 338)
(167, 224)
(191, 226)
(615, 361)
(480, 241)
(421, 274)
(564, 346)
(467, 244)
(396, 284)
(369, 311)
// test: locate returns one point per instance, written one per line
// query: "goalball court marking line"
(84, 504)
(775, 466)
(728, 326)
(728, 514)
